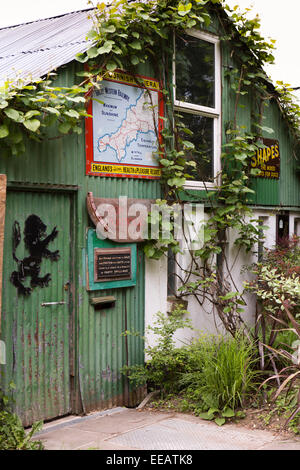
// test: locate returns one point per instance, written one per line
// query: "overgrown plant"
(283, 406)
(212, 376)
(277, 330)
(28, 110)
(277, 288)
(164, 361)
(128, 34)
(12, 433)
(224, 379)
(288, 378)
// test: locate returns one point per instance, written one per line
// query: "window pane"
(203, 140)
(195, 71)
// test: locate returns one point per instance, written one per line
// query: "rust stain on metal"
(106, 374)
(135, 397)
(36, 333)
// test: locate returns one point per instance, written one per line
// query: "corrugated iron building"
(63, 354)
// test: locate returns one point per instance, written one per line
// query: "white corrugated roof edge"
(31, 50)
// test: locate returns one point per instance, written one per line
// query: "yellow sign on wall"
(267, 159)
(102, 168)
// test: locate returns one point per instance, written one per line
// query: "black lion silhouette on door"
(36, 243)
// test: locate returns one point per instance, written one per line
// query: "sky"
(279, 20)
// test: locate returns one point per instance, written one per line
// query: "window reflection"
(203, 140)
(195, 71)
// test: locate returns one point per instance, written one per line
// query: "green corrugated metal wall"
(58, 166)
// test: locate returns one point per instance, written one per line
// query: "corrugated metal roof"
(34, 49)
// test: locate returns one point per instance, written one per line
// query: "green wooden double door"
(37, 307)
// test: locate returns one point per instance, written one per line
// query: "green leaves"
(228, 413)
(111, 66)
(220, 421)
(92, 52)
(229, 296)
(14, 437)
(176, 181)
(136, 45)
(184, 9)
(82, 57)
(12, 434)
(3, 103)
(4, 131)
(134, 60)
(12, 114)
(64, 128)
(188, 145)
(108, 29)
(265, 129)
(72, 113)
(106, 48)
(32, 124)
(138, 26)
(31, 109)
(31, 113)
(51, 110)
(92, 35)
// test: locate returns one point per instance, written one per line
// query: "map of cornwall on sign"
(122, 136)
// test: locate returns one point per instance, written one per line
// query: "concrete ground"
(133, 429)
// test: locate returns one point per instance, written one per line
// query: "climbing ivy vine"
(27, 110)
(128, 34)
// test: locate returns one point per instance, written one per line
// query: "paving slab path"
(133, 429)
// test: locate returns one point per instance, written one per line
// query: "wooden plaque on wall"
(112, 264)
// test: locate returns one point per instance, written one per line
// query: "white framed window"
(197, 98)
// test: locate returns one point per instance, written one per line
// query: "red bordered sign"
(125, 130)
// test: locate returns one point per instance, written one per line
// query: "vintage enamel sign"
(267, 159)
(123, 135)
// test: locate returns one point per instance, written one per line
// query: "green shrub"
(14, 437)
(277, 279)
(212, 374)
(284, 406)
(220, 373)
(163, 370)
(277, 288)
(12, 433)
